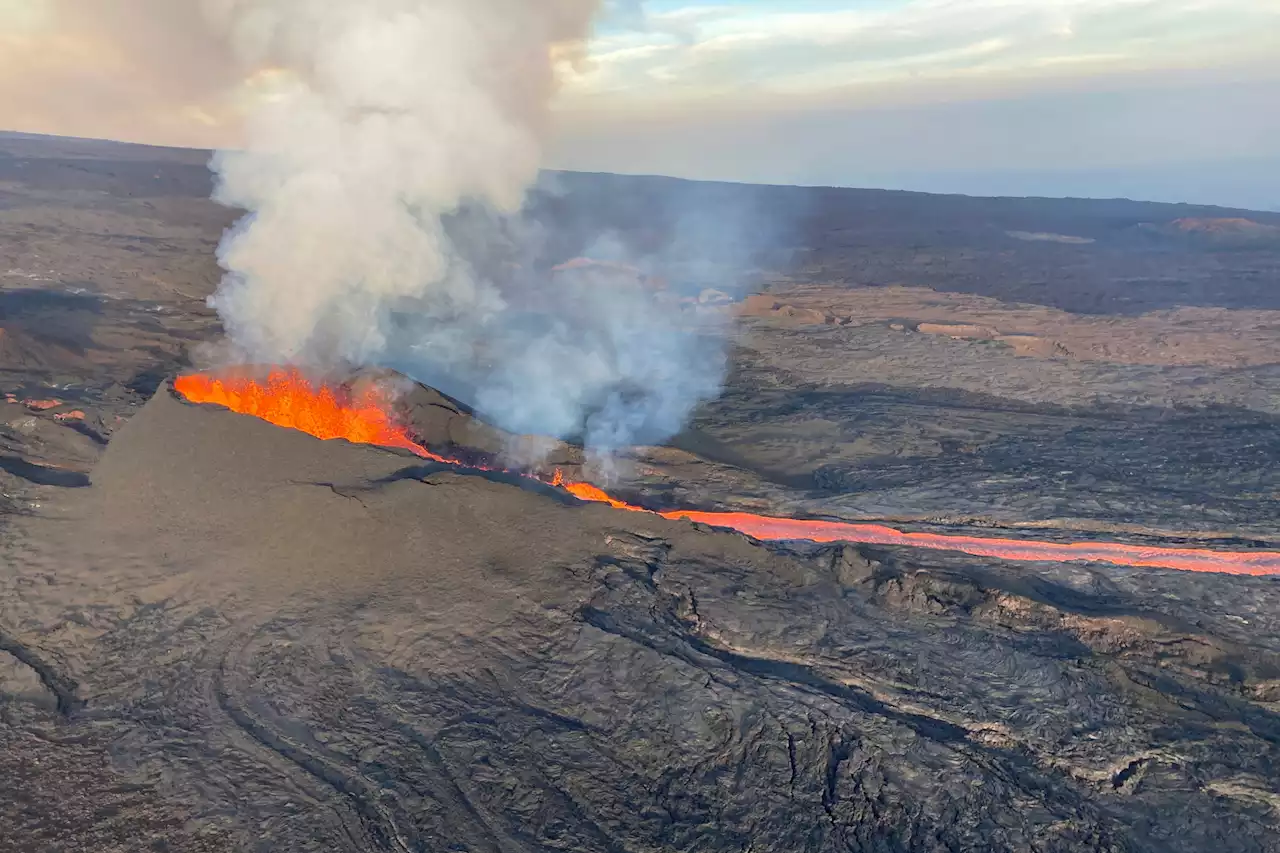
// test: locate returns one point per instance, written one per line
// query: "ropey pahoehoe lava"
(365, 414)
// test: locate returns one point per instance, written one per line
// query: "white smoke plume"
(384, 151)
(385, 116)
(394, 129)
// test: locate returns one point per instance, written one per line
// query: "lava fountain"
(286, 398)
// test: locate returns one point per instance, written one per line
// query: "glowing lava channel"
(287, 399)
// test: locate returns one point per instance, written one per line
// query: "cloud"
(127, 69)
(146, 69)
(745, 51)
(719, 88)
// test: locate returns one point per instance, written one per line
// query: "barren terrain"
(216, 634)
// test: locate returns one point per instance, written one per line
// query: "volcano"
(383, 625)
(363, 413)
(366, 649)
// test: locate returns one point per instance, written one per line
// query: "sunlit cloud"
(877, 92)
(760, 50)
(1167, 99)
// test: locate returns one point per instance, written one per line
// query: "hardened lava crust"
(217, 634)
(347, 652)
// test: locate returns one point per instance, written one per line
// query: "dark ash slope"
(250, 640)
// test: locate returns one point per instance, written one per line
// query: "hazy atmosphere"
(1171, 100)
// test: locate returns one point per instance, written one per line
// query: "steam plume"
(385, 115)
(397, 133)
(384, 154)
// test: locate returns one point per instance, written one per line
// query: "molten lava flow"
(1183, 559)
(288, 399)
(772, 529)
(590, 493)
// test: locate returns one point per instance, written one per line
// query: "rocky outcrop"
(764, 305)
(1024, 345)
(957, 330)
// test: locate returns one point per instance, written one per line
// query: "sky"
(1174, 100)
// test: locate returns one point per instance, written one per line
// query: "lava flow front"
(287, 399)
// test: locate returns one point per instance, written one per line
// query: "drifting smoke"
(386, 115)
(398, 135)
(386, 152)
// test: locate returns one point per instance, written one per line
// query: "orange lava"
(286, 398)
(1183, 559)
(590, 493)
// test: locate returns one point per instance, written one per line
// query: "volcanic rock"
(1047, 237)
(1223, 225)
(1022, 345)
(1033, 345)
(446, 426)
(22, 350)
(1218, 231)
(957, 330)
(299, 644)
(763, 305)
(202, 651)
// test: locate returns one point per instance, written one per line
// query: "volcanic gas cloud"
(288, 399)
(385, 164)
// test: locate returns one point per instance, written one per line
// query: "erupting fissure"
(286, 398)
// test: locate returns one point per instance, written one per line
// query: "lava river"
(287, 399)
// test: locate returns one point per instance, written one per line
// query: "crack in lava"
(287, 399)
